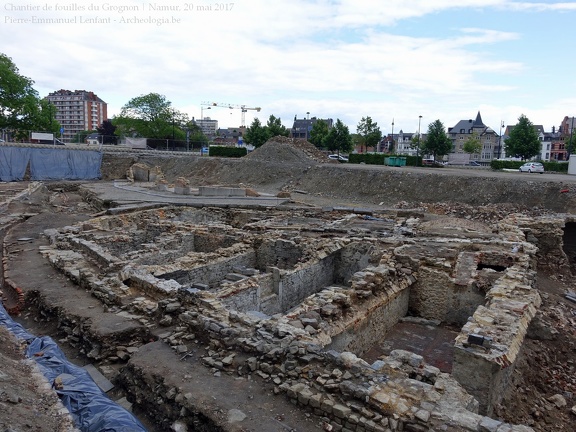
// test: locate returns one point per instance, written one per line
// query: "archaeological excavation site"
(284, 292)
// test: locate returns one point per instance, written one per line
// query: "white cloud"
(341, 59)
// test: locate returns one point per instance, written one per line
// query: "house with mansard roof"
(466, 129)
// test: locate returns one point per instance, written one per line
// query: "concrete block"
(182, 190)
(221, 191)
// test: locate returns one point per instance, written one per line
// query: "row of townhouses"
(553, 143)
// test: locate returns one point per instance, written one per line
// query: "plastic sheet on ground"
(91, 409)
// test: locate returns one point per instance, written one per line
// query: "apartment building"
(301, 128)
(207, 126)
(77, 111)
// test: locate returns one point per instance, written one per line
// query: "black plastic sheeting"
(91, 409)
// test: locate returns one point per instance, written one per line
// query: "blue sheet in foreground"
(91, 409)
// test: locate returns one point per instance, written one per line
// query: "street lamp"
(392, 136)
(500, 143)
(570, 142)
(419, 140)
(173, 121)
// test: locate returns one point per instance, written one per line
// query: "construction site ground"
(547, 365)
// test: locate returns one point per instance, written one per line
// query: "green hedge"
(367, 158)
(561, 167)
(224, 151)
(379, 159)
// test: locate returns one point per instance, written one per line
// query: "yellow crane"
(243, 109)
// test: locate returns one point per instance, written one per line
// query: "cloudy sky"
(389, 59)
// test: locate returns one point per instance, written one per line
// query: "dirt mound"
(281, 149)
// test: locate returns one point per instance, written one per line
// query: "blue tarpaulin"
(91, 409)
(13, 163)
(49, 163)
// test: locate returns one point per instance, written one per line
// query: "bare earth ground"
(547, 367)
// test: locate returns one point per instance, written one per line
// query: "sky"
(392, 60)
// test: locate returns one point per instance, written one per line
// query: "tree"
(339, 138)
(274, 127)
(151, 116)
(108, 132)
(523, 141)
(437, 142)
(357, 140)
(21, 109)
(369, 131)
(472, 145)
(318, 133)
(415, 144)
(256, 134)
(195, 135)
(45, 120)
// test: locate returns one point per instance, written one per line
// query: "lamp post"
(173, 131)
(392, 146)
(570, 142)
(419, 140)
(500, 142)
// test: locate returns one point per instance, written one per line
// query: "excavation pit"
(269, 292)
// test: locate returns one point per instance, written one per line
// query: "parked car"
(474, 163)
(531, 167)
(339, 158)
(432, 162)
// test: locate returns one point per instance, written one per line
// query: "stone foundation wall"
(374, 325)
(487, 348)
(297, 285)
(212, 273)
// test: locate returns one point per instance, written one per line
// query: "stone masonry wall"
(484, 367)
(373, 326)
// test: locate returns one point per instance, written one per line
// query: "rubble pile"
(490, 213)
(286, 150)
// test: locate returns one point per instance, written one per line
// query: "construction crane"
(243, 109)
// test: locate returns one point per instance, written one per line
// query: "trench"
(426, 317)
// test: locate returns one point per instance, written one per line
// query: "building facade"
(403, 143)
(467, 129)
(566, 131)
(301, 128)
(208, 126)
(77, 111)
